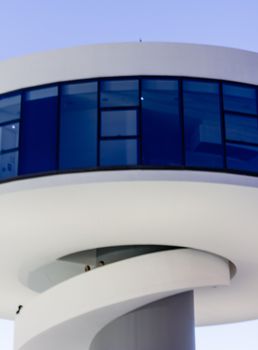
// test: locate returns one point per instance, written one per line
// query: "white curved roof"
(125, 59)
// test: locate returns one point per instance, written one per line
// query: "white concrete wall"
(129, 59)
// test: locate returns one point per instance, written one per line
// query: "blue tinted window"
(119, 123)
(8, 165)
(241, 128)
(38, 152)
(239, 98)
(119, 93)
(202, 124)
(118, 152)
(161, 129)
(9, 136)
(242, 157)
(79, 124)
(10, 108)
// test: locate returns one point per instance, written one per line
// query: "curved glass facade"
(129, 122)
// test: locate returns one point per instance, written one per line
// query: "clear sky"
(36, 25)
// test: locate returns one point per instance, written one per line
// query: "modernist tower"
(128, 195)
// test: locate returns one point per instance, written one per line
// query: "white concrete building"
(139, 157)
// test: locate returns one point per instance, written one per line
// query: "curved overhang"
(48, 218)
(129, 59)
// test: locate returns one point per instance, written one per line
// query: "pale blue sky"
(33, 25)
(37, 25)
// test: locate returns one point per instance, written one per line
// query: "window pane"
(241, 128)
(202, 124)
(119, 123)
(38, 152)
(8, 165)
(118, 152)
(9, 136)
(40, 94)
(241, 157)
(119, 93)
(79, 122)
(239, 99)
(161, 130)
(10, 107)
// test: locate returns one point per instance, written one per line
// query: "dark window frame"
(139, 107)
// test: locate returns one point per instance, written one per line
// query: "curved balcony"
(71, 314)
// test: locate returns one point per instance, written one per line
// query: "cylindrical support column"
(167, 324)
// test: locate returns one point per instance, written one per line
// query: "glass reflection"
(10, 108)
(119, 93)
(118, 152)
(8, 165)
(241, 128)
(202, 122)
(239, 98)
(242, 157)
(79, 123)
(117, 123)
(9, 136)
(38, 149)
(161, 127)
